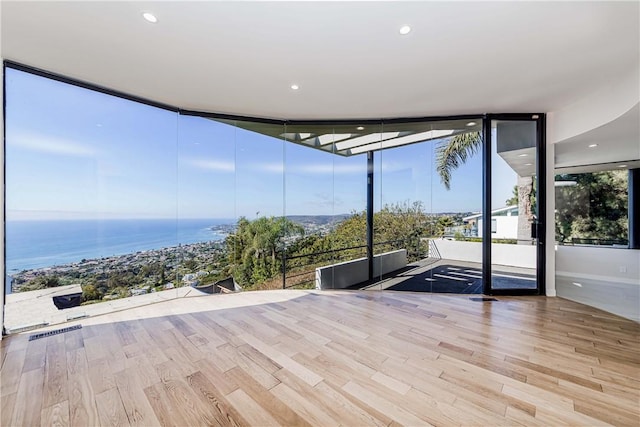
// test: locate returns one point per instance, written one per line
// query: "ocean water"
(35, 244)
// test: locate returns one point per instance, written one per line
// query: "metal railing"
(303, 275)
(597, 242)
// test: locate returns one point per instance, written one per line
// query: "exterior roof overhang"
(353, 138)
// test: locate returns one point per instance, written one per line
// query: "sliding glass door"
(513, 226)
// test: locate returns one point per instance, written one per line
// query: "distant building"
(504, 223)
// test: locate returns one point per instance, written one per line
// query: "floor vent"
(482, 299)
(54, 332)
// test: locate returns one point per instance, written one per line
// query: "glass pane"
(90, 201)
(206, 202)
(309, 204)
(592, 208)
(259, 188)
(405, 202)
(325, 192)
(513, 205)
(431, 197)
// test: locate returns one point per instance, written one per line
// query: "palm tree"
(454, 152)
(255, 245)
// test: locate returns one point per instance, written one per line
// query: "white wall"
(345, 274)
(595, 269)
(606, 278)
(506, 227)
(550, 234)
(501, 254)
(457, 251)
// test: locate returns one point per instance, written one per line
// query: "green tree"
(256, 246)
(399, 225)
(46, 281)
(453, 152)
(443, 223)
(513, 200)
(90, 292)
(190, 264)
(595, 207)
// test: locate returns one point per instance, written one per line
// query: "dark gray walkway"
(449, 276)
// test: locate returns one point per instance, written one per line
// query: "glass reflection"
(513, 205)
(143, 201)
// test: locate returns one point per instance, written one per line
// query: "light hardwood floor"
(330, 358)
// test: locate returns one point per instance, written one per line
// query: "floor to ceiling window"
(514, 205)
(429, 185)
(113, 203)
(89, 198)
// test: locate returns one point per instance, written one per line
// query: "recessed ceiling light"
(360, 128)
(593, 145)
(295, 87)
(622, 166)
(471, 124)
(528, 164)
(405, 29)
(150, 17)
(522, 155)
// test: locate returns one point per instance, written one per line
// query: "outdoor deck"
(451, 276)
(330, 358)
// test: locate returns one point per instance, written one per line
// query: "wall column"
(370, 213)
(634, 208)
(486, 205)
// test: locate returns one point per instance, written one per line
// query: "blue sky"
(72, 153)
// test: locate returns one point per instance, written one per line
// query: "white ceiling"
(347, 57)
(618, 143)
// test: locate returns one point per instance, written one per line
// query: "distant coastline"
(104, 267)
(37, 244)
(33, 247)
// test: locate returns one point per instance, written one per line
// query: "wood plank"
(182, 399)
(335, 404)
(145, 372)
(158, 399)
(303, 406)
(100, 375)
(82, 407)
(77, 362)
(110, 408)
(6, 409)
(217, 377)
(391, 383)
(390, 409)
(278, 410)
(295, 358)
(74, 340)
(255, 414)
(55, 370)
(283, 361)
(12, 369)
(136, 405)
(212, 397)
(35, 355)
(265, 378)
(56, 415)
(28, 401)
